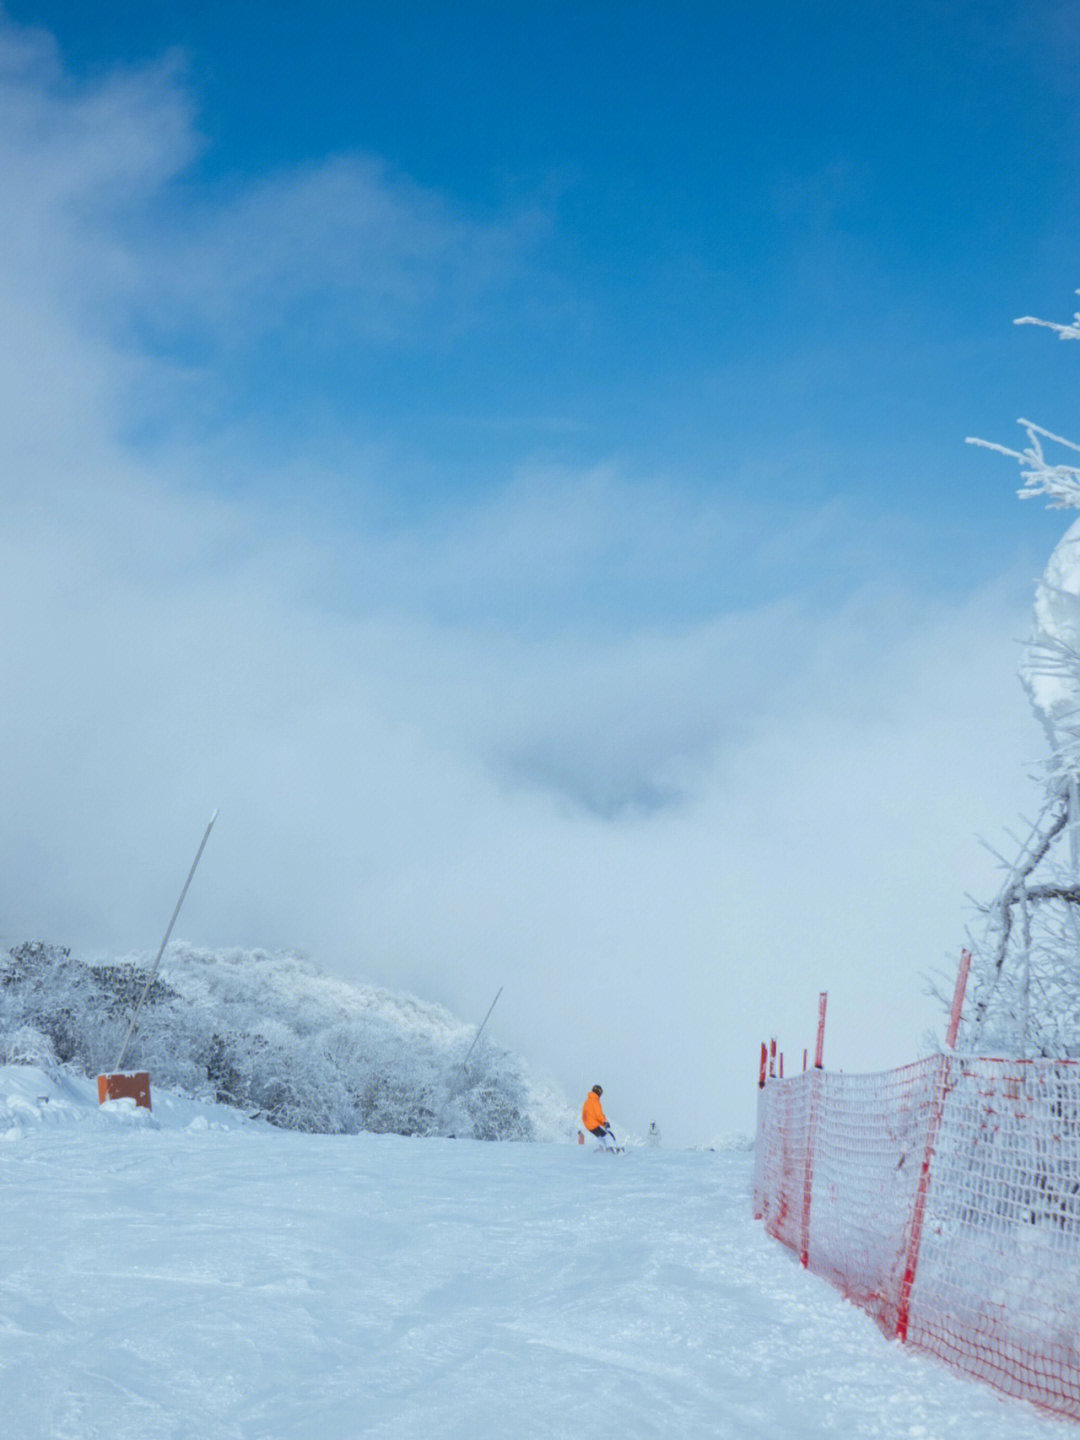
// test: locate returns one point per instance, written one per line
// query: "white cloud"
(500, 744)
(106, 223)
(421, 807)
(346, 235)
(829, 848)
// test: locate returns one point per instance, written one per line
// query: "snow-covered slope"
(194, 1275)
(270, 1034)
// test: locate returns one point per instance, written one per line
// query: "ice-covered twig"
(1063, 332)
(1031, 856)
(1059, 483)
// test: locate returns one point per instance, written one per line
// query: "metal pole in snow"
(165, 941)
(481, 1030)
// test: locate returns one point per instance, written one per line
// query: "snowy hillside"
(271, 1035)
(193, 1275)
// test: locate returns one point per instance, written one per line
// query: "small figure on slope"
(653, 1137)
(595, 1121)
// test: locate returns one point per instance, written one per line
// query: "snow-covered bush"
(27, 1046)
(270, 1034)
(42, 988)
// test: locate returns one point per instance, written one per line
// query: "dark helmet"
(598, 1090)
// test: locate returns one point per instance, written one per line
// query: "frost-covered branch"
(1027, 975)
(1071, 893)
(1032, 855)
(1063, 332)
(1059, 483)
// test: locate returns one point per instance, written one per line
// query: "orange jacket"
(592, 1112)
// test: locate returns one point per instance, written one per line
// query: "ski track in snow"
(193, 1276)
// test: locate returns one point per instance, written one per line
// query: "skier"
(595, 1121)
(653, 1137)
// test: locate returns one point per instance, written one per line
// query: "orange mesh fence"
(944, 1198)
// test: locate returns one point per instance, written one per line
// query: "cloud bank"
(591, 735)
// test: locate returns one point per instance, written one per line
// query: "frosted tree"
(1027, 957)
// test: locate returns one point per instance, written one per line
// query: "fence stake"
(808, 1167)
(958, 999)
(764, 1064)
(941, 1090)
(918, 1213)
(811, 1133)
(823, 1000)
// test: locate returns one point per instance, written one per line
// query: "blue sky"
(512, 462)
(684, 242)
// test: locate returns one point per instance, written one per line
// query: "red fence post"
(823, 1000)
(764, 1063)
(808, 1171)
(918, 1214)
(811, 1134)
(958, 999)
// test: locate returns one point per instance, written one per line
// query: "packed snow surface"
(194, 1275)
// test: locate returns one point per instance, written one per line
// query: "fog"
(520, 735)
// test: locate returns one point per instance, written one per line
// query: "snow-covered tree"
(1026, 968)
(270, 1034)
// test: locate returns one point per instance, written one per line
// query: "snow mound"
(33, 1098)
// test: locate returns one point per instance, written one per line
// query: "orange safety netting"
(944, 1198)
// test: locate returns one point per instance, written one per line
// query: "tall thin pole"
(481, 1030)
(165, 941)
